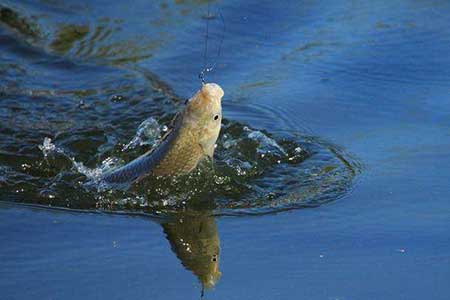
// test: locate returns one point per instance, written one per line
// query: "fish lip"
(212, 90)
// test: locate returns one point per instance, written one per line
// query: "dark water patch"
(115, 33)
(67, 36)
(15, 21)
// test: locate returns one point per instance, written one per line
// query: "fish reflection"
(195, 240)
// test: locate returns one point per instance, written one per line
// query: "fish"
(192, 139)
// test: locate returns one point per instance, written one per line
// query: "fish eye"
(216, 117)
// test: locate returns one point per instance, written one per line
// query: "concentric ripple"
(253, 173)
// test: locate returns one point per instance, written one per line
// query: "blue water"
(371, 77)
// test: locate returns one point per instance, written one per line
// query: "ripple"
(61, 130)
(255, 173)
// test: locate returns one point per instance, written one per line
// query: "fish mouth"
(212, 90)
(210, 93)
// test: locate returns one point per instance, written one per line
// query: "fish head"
(203, 116)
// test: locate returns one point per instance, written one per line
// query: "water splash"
(254, 173)
(265, 143)
(307, 173)
(48, 148)
(148, 133)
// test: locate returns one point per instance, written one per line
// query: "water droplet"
(47, 146)
(117, 98)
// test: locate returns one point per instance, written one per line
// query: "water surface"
(361, 87)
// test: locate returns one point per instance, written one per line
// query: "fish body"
(192, 139)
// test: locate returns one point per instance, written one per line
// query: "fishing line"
(205, 54)
(207, 69)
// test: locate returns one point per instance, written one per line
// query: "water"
(341, 107)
